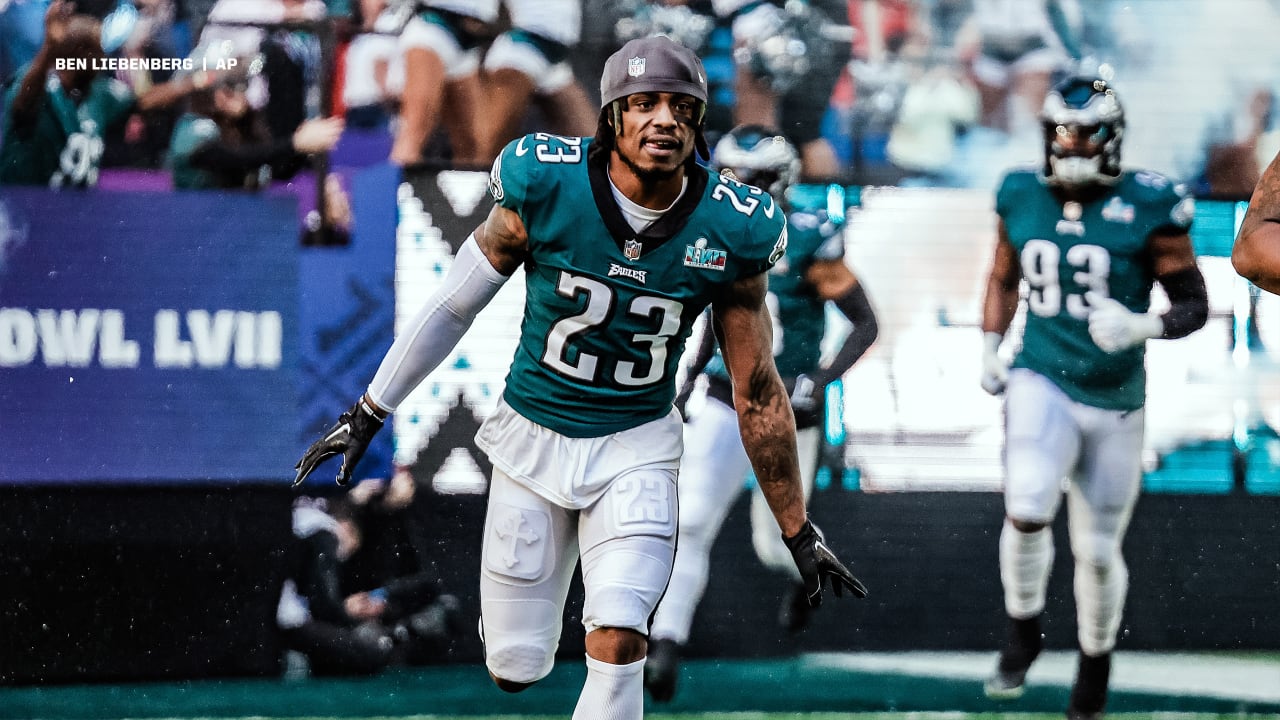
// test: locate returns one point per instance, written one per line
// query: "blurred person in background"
(776, 86)
(1014, 49)
(142, 140)
(359, 633)
(1239, 144)
(392, 573)
(374, 67)
(312, 614)
(715, 465)
(54, 120)
(1090, 239)
(22, 28)
(224, 143)
(938, 105)
(626, 240)
(283, 33)
(529, 63)
(441, 45)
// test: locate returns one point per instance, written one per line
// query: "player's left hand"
(819, 565)
(1115, 327)
(349, 437)
(804, 400)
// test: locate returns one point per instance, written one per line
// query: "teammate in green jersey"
(1089, 239)
(623, 240)
(811, 273)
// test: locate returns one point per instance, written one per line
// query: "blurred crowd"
(906, 92)
(361, 593)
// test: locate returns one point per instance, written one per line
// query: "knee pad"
(520, 638)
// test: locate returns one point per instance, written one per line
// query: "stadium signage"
(130, 352)
(91, 336)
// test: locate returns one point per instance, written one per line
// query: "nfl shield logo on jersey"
(635, 66)
(631, 249)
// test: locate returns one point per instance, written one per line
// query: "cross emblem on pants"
(511, 530)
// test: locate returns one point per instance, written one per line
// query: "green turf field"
(839, 716)
(823, 686)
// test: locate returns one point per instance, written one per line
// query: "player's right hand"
(995, 371)
(819, 565)
(1114, 327)
(349, 437)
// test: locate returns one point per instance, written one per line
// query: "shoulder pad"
(762, 239)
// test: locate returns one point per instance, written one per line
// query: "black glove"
(349, 437)
(818, 564)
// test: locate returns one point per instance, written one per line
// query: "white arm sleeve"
(468, 287)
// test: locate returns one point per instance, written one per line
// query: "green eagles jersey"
(63, 145)
(799, 314)
(607, 309)
(1066, 249)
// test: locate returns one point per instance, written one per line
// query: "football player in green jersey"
(1256, 253)
(714, 468)
(1089, 239)
(624, 240)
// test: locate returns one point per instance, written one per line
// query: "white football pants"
(1050, 438)
(626, 540)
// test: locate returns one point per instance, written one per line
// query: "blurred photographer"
(224, 142)
(407, 619)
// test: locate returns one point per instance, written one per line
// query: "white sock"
(1100, 593)
(612, 692)
(1025, 562)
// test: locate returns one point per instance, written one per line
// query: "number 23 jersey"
(1068, 248)
(608, 309)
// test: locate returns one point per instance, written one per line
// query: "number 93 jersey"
(1068, 248)
(607, 308)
